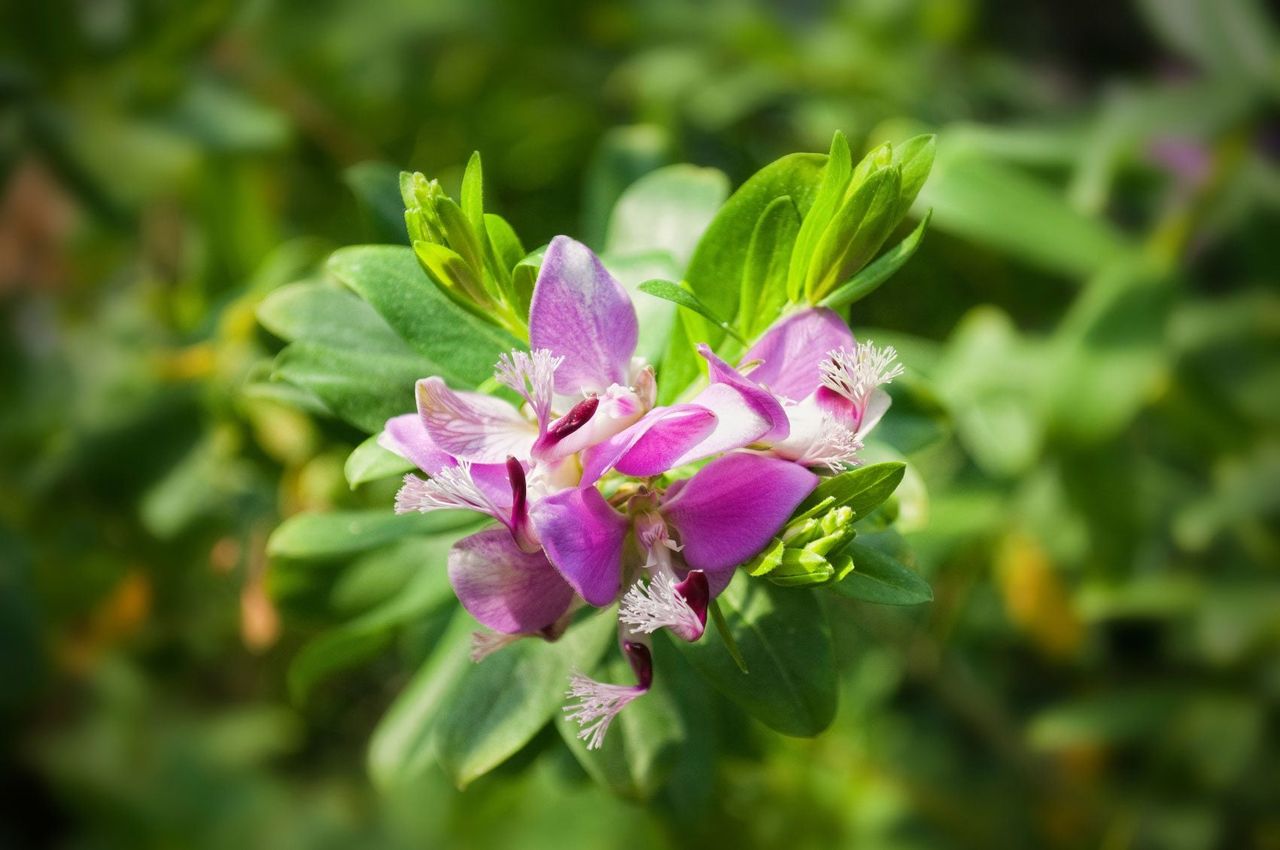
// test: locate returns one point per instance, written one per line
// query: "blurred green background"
(1095, 451)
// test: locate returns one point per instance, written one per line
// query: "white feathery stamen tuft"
(836, 447)
(451, 487)
(485, 643)
(658, 605)
(532, 376)
(854, 374)
(598, 703)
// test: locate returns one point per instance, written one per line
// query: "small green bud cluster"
(808, 550)
(473, 256)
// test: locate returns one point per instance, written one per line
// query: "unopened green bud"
(420, 197)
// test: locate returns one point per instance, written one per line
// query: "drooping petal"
(733, 506)
(508, 590)
(473, 426)
(583, 537)
(792, 349)
(652, 445)
(407, 436)
(581, 313)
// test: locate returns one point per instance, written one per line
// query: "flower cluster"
(601, 495)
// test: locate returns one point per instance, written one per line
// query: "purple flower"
(587, 478)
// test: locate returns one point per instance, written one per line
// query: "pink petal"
(581, 313)
(505, 589)
(583, 537)
(652, 445)
(473, 426)
(407, 436)
(745, 412)
(792, 348)
(733, 506)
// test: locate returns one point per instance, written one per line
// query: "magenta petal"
(407, 436)
(792, 348)
(508, 590)
(652, 445)
(733, 506)
(581, 313)
(583, 537)
(473, 426)
(745, 412)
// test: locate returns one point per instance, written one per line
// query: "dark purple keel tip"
(696, 592)
(580, 414)
(641, 662)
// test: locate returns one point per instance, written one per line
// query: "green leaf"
(1109, 354)
(879, 578)
(915, 158)
(371, 462)
(337, 534)
(472, 196)
(363, 388)
(501, 703)
(861, 489)
(364, 636)
(643, 741)
(856, 233)
(869, 279)
(721, 254)
(836, 175)
(666, 210)
(786, 643)
(314, 311)
(463, 346)
(401, 748)
(764, 277)
(996, 205)
(677, 294)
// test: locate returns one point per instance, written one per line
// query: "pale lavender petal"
(508, 590)
(652, 445)
(733, 506)
(581, 313)
(473, 426)
(407, 436)
(792, 349)
(583, 537)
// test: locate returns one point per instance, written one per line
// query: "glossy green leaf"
(365, 388)
(868, 280)
(721, 255)
(472, 195)
(314, 311)
(371, 462)
(677, 294)
(915, 158)
(324, 536)
(402, 746)
(502, 702)
(836, 174)
(464, 347)
(856, 232)
(861, 489)
(764, 276)
(878, 577)
(786, 643)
